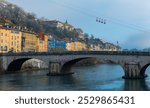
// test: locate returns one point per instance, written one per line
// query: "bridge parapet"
(140, 53)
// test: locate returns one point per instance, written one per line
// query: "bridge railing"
(77, 53)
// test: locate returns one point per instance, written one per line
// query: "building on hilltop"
(60, 25)
(81, 33)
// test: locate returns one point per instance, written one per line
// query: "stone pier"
(54, 68)
(133, 71)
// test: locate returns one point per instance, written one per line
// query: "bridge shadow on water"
(71, 83)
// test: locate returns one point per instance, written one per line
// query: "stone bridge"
(133, 63)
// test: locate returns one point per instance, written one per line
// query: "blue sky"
(128, 21)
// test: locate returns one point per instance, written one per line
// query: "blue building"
(53, 44)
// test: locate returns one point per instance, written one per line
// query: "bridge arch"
(143, 70)
(66, 67)
(16, 65)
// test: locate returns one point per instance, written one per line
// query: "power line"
(72, 7)
(100, 19)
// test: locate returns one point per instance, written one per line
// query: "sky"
(127, 21)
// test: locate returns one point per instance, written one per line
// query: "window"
(5, 48)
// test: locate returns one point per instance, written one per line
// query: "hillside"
(17, 16)
(13, 15)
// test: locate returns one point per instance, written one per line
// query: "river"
(86, 78)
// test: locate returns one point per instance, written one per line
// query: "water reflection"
(88, 78)
(62, 80)
(135, 85)
(62, 83)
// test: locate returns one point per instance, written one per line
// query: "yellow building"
(42, 42)
(76, 46)
(15, 40)
(4, 40)
(29, 42)
(10, 40)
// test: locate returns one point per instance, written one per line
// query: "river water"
(86, 78)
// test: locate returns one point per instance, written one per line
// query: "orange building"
(42, 42)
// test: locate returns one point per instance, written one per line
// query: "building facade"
(4, 40)
(55, 45)
(42, 42)
(29, 42)
(15, 40)
(76, 46)
(10, 40)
